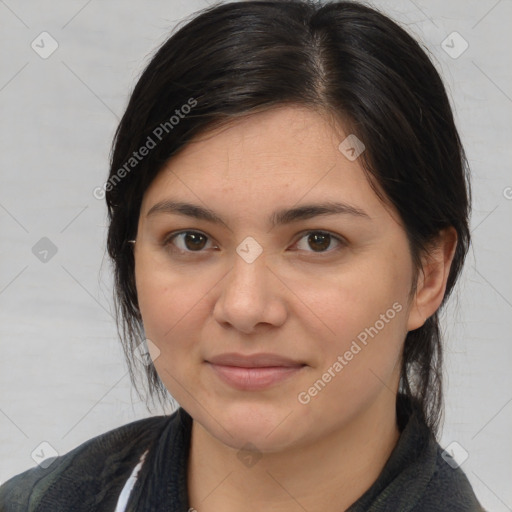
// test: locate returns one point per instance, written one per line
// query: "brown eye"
(188, 241)
(319, 241)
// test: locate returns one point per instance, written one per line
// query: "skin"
(298, 299)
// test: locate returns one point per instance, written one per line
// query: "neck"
(329, 474)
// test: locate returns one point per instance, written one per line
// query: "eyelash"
(168, 241)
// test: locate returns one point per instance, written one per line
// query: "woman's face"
(328, 293)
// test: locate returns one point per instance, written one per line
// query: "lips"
(261, 360)
(253, 372)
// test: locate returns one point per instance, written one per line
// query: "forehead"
(285, 155)
(285, 133)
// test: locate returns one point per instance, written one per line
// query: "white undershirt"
(128, 486)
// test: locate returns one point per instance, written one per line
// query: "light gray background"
(63, 379)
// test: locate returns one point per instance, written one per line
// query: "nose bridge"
(244, 301)
(249, 265)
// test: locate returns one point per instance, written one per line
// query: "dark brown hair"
(341, 58)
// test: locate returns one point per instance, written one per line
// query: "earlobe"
(432, 278)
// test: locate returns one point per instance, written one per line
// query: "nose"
(250, 294)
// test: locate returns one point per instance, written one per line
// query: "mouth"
(253, 372)
(260, 360)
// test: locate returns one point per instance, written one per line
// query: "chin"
(265, 425)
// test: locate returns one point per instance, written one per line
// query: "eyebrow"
(279, 217)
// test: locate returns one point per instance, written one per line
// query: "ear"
(432, 278)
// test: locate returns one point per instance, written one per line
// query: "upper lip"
(253, 360)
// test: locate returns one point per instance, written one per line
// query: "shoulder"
(88, 475)
(448, 488)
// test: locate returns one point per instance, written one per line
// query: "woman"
(288, 202)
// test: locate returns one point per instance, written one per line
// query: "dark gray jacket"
(416, 477)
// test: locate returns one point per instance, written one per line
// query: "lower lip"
(253, 379)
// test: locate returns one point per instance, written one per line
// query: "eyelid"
(340, 239)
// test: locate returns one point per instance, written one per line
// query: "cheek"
(356, 297)
(171, 311)
(169, 306)
(360, 353)
(364, 307)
